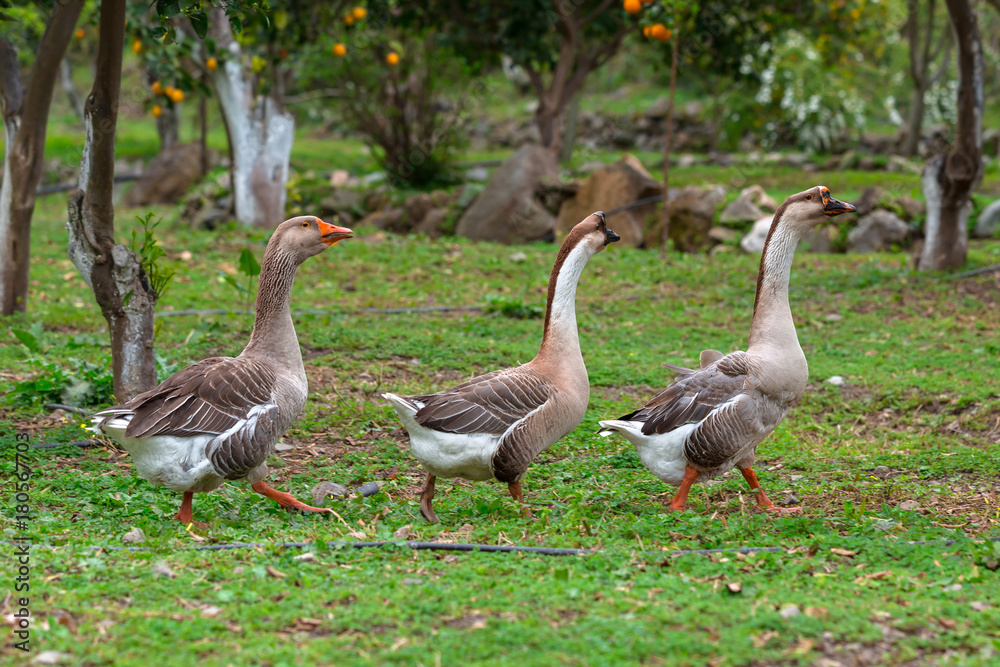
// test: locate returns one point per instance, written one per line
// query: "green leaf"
(232, 281)
(168, 8)
(248, 263)
(236, 24)
(199, 21)
(28, 340)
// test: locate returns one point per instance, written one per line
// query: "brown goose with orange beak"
(220, 418)
(712, 419)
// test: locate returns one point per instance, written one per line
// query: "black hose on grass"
(489, 548)
(75, 443)
(314, 311)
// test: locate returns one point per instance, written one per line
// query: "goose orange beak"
(332, 234)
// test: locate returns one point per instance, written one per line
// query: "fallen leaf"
(843, 552)
(210, 611)
(735, 587)
(277, 574)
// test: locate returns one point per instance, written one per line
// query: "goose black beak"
(610, 237)
(832, 207)
(332, 234)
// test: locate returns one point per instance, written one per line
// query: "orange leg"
(677, 504)
(516, 494)
(426, 496)
(286, 500)
(185, 515)
(762, 500)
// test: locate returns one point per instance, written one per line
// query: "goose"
(494, 425)
(711, 419)
(220, 418)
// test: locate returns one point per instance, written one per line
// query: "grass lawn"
(908, 450)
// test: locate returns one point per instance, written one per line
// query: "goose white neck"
(561, 337)
(772, 324)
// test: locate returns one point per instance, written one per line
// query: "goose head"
(592, 232)
(305, 236)
(805, 210)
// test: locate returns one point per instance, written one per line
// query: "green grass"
(917, 421)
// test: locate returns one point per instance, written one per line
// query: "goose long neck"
(561, 341)
(772, 325)
(273, 336)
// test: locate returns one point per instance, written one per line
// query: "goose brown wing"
(490, 403)
(209, 397)
(694, 395)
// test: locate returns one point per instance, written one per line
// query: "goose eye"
(809, 196)
(305, 224)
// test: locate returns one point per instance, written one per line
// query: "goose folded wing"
(491, 403)
(695, 394)
(210, 397)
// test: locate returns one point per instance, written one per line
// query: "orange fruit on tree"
(359, 13)
(646, 31)
(79, 33)
(157, 111)
(177, 96)
(137, 47)
(212, 64)
(633, 6)
(659, 32)
(157, 88)
(339, 50)
(349, 19)
(392, 59)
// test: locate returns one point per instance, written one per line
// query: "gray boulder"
(877, 231)
(988, 222)
(506, 211)
(753, 242)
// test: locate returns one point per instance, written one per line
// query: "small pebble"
(796, 478)
(979, 606)
(952, 588)
(834, 317)
(411, 581)
(909, 505)
(282, 447)
(836, 380)
(790, 500)
(518, 257)
(307, 557)
(163, 570)
(134, 536)
(51, 658)
(789, 611)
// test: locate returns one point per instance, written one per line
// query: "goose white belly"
(446, 455)
(177, 463)
(662, 454)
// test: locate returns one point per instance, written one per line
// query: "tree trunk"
(25, 119)
(112, 270)
(949, 180)
(167, 126)
(261, 134)
(668, 137)
(914, 122)
(549, 121)
(72, 92)
(569, 130)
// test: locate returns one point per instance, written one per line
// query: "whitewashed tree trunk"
(949, 180)
(112, 270)
(11, 124)
(261, 134)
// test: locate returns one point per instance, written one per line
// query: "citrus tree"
(44, 29)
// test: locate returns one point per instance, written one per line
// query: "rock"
(658, 109)
(909, 505)
(417, 208)
(430, 226)
(339, 178)
(167, 177)
(789, 611)
(283, 447)
(388, 219)
(552, 192)
(691, 213)
(913, 209)
(477, 174)
(342, 200)
(518, 257)
(722, 234)
(988, 223)
(757, 195)
(877, 231)
(741, 209)
(163, 570)
(405, 532)
(412, 581)
(753, 242)
(617, 184)
(868, 200)
(836, 380)
(323, 490)
(506, 210)
(866, 163)
(51, 658)
(134, 536)
(900, 165)
(790, 500)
